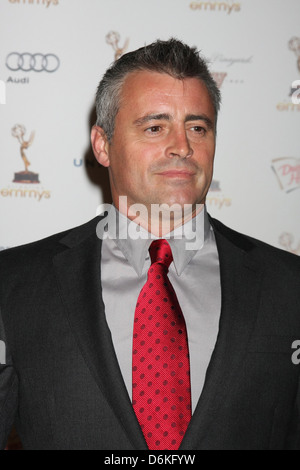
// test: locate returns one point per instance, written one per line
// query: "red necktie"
(161, 370)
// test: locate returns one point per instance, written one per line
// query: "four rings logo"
(27, 62)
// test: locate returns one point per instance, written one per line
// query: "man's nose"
(179, 145)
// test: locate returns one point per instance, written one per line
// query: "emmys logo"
(287, 171)
(25, 179)
(216, 6)
(286, 240)
(46, 3)
(2, 92)
(113, 39)
(215, 197)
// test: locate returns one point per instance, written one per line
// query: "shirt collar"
(134, 241)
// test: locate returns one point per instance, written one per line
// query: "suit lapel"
(78, 274)
(240, 286)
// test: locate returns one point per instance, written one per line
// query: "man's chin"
(173, 205)
(180, 200)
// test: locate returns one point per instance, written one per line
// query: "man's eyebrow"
(152, 117)
(200, 117)
(166, 117)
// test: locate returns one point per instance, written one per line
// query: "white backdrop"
(52, 56)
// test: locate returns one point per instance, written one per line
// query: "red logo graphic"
(287, 171)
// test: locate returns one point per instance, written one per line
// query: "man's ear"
(100, 145)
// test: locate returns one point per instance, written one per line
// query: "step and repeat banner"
(52, 56)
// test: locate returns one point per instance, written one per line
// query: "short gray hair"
(172, 57)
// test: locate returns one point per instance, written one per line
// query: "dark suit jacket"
(62, 385)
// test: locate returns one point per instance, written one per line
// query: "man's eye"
(153, 129)
(199, 130)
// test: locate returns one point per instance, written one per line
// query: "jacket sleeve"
(8, 389)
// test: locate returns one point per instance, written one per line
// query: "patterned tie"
(161, 394)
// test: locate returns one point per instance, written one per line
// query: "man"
(154, 326)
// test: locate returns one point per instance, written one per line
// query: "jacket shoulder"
(44, 250)
(266, 252)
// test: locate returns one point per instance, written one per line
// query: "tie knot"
(160, 252)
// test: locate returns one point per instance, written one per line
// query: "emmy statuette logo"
(293, 103)
(294, 45)
(25, 184)
(24, 177)
(113, 39)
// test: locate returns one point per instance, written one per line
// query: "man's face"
(163, 145)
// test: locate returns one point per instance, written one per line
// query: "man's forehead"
(146, 87)
(146, 93)
(161, 81)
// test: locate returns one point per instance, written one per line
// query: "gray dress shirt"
(194, 274)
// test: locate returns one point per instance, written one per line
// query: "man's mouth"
(177, 173)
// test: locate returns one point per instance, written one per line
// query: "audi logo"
(27, 62)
